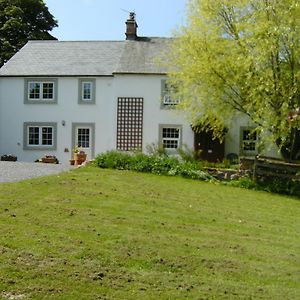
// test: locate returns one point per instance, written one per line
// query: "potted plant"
(8, 157)
(49, 159)
(79, 156)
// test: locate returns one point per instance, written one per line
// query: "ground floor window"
(39, 135)
(170, 136)
(249, 141)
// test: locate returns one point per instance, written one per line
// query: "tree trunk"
(291, 149)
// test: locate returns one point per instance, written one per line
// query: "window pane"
(173, 144)
(168, 90)
(87, 91)
(249, 136)
(170, 137)
(170, 133)
(249, 140)
(47, 135)
(48, 90)
(83, 137)
(33, 136)
(34, 90)
(249, 146)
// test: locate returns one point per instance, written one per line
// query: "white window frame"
(40, 136)
(91, 91)
(41, 85)
(166, 93)
(81, 83)
(40, 145)
(41, 90)
(86, 128)
(244, 141)
(168, 100)
(178, 139)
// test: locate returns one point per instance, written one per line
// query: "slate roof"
(88, 58)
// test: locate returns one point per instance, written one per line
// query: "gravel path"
(16, 171)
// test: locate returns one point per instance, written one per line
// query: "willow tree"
(242, 57)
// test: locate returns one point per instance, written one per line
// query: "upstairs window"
(48, 90)
(167, 91)
(87, 91)
(34, 90)
(40, 91)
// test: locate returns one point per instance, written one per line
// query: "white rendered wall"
(13, 113)
(149, 88)
(103, 114)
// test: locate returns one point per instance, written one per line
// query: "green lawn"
(106, 234)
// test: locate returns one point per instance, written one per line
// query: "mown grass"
(106, 234)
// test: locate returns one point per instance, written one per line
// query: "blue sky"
(105, 19)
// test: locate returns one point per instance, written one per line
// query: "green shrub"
(273, 185)
(280, 186)
(114, 160)
(163, 164)
(141, 162)
(156, 164)
(244, 182)
(172, 166)
(156, 149)
(187, 154)
(192, 170)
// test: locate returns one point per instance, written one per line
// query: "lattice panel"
(130, 124)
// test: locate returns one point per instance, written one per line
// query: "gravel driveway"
(16, 171)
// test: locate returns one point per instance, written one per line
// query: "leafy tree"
(242, 57)
(20, 21)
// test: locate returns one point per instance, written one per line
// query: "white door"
(83, 139)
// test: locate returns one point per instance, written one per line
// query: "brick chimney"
(131, 27)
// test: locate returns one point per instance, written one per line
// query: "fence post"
(254, 176)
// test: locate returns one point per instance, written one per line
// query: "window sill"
(39, 148)
(90, 102)
(168, 106)
(248, 153)
(40, 102)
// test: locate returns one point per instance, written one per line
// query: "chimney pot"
(131, 27)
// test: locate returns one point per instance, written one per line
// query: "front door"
(210, 149)
(83, 139)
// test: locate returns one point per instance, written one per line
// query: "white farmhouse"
(99, 96)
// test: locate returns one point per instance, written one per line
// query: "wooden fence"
(268, 167)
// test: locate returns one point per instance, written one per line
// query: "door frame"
(92, 126)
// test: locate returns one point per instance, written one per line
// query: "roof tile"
(87, 58)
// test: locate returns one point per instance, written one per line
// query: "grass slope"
(103, 234)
